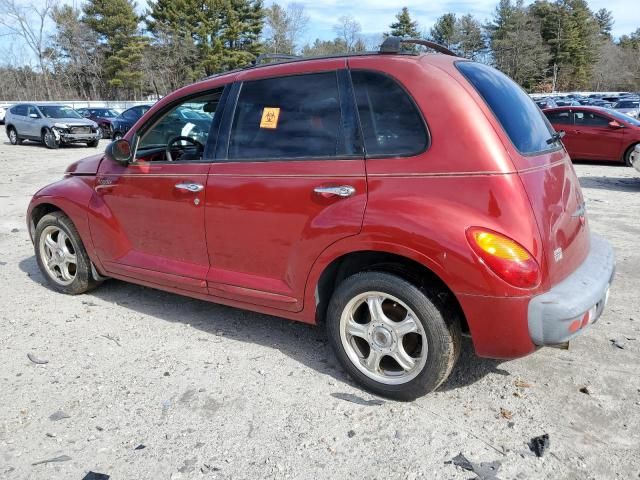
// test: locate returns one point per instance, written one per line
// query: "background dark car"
(102, 116)
(546, 103)
(123, 122)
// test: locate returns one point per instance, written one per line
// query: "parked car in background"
(3, 111)
(121, 124)
(53, 125)
(546, 103)
(562, 102)
(593, 133)
(598, 102)
(630, 107)
(102, 116)
(337, 191)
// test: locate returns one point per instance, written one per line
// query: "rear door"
(544, 168)
(289, 182)
(562, 120)
(595, 139)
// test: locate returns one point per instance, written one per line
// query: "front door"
(595, 139)
(290, 182)
(150, 213)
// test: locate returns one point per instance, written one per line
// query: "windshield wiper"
(555, 137)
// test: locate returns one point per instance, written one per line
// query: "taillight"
(505, 257)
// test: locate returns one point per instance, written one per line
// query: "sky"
(376, 15)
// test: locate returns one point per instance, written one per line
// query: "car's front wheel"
(391, 337)
(13, 136)
(117, 136)
(630, 155)
(61, 255)
(49, 139)
(93, 143)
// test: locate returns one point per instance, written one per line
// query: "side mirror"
(34, 115)
(119, 151)
(614, 124)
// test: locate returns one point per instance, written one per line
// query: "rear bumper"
(578, 301)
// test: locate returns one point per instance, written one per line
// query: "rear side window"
(287, 118)
(19, 110)
(522, 120)
(559, 117)
(391, 123)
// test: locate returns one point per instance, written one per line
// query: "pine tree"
(604, 18)
(225, 32)
(443, 31)
(403, 26)
(116, 23)
(469, 42)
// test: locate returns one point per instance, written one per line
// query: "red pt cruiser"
(348, 191)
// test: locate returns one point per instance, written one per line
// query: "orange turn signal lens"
(505, 257)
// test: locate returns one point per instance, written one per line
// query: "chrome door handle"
(341, 191)
(190, 187)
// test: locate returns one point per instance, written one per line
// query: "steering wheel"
(193, 141)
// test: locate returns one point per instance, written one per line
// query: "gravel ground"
(215, 392)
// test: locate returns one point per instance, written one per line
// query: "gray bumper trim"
(551, 313)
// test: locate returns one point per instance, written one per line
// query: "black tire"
(14, 139)
(439, 322)
(117, 136)
(93, 144)
(49, 139)
(83, 280)
(627, 155)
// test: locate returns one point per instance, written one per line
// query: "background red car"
(102, 116)
(594, 133)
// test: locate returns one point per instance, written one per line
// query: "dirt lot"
(214, 392)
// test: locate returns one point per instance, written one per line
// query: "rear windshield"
(517, 113)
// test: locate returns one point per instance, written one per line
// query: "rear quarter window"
(519, 116)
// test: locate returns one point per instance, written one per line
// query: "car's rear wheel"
(13, 136)
(49, 139)
(391, 337)
(631, 156)
(61, 255)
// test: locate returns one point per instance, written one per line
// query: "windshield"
(105, 113)
(56, 111)
(627, 104)
(624, 118)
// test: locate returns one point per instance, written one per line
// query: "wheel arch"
(39, 211)
(405, 267)
(628, 149)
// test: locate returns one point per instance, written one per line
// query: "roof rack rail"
(393, 45)
(273, 56)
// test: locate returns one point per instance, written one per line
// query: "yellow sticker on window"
(270, 117)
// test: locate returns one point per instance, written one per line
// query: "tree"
(404, 26)
(225, 32)
(604, 18)
(348, 31)
(116, 24)
(284, 27)
(443, 31)
(28, 22)
(468, 39)
(517, 46)
(324, 47)
(76, 56)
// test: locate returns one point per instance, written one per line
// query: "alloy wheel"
(383, 338)
(13, 136)
(58, 255)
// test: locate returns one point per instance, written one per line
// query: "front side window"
(563, 118)
(55, 111)
(519, 116)
(287, 118)
(391, 123)
(31, 110)
(590, 119)
(182, 132)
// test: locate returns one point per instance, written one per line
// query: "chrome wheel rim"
(58, 255)
(634, 156)
(49, 139)
(13, 136)
(383, 338)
